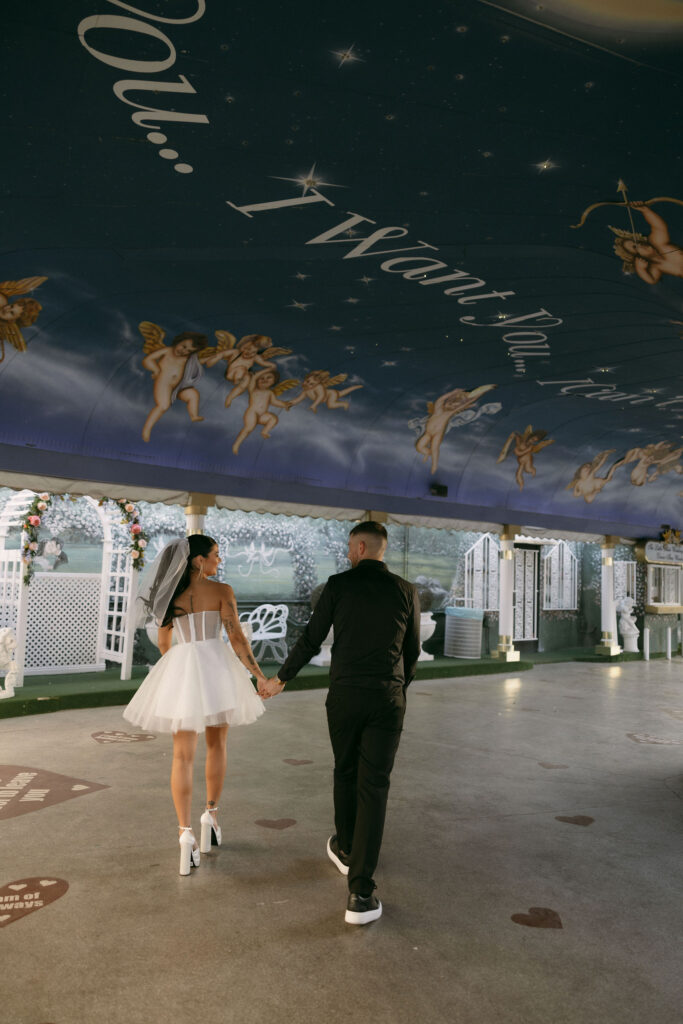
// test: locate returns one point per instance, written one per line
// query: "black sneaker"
(362, 909)
(336, 855)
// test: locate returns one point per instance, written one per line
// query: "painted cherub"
(264, 390)
(649, 256)
(176, 370)
(586, 484)
(527, 445)
(252, 349)
(440, 414)
(320, 388)
(663, 456)
(16, 311)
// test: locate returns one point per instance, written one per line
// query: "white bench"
(268, 627)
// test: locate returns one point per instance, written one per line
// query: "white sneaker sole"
(344, 868)
(363, 917)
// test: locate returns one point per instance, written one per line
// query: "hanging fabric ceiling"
(421, 259)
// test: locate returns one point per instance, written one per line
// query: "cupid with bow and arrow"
(649, 256)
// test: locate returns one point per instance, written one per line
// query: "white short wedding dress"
(200, 681)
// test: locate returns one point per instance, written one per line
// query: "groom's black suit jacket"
(376, 619)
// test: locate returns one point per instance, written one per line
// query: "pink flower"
(34, 520)
(33, 546)
(44, 497)
(142, 543)
(42, 505)
(136, 528)
(135, 554)
(129, 507)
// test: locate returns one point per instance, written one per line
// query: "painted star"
(346, 55)
(308, 181)
(300, 276)
(335, 327)
(299, 305)
(366, 280)
(352, 301)
(545, 165)
(389, 362)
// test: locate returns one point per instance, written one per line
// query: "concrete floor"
(486, 766)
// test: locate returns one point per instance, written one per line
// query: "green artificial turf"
(42, 694)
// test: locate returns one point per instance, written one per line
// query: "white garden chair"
(268, 625)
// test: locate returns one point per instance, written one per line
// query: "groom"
(376, 620)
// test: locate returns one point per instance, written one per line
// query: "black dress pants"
(365, 728)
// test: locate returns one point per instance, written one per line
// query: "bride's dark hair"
(199, 545)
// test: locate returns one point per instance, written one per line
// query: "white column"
(129, 626)
(506, 585)
(195, 512)
(22, 621)
(609, 644)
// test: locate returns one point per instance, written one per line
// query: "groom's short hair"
(374, 534)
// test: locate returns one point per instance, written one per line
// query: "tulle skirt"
(194, 685)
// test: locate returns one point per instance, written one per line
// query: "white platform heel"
(189, 854)
(211, 834)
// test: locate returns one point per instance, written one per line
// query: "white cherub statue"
(7, 663)
(627, 625)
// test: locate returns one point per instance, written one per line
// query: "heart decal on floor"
(539, 917)
(576, 819)
(278, 823)
(116, 736)
(293, 760)
(17, 899)
(23, 790)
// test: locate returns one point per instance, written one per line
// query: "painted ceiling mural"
(421, 258)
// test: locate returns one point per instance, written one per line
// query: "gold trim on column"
(199, 503)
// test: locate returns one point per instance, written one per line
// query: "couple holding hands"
(201, 684)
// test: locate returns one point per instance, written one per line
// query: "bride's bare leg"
(216, 762)
(184, 746)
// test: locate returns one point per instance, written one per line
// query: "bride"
(200, 684)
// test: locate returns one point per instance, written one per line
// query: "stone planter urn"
(427, 627)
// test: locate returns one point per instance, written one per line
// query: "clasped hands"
(270, 687)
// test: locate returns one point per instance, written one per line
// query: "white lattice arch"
(481, 574)
(69, 622)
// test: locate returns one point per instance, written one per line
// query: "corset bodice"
(197, 626)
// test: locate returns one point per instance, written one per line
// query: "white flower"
(142, 543)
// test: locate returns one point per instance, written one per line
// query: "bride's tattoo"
(232, 625)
